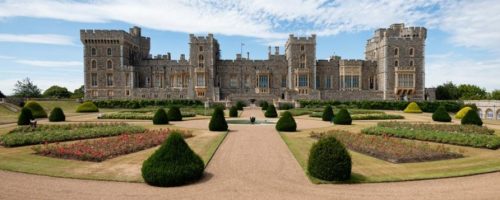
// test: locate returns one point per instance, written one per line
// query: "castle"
(118, 65)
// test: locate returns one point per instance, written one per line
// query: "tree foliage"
(57, 92)
(79, 92)
(27, 89)
(2, 95)
(495, 94)
(472, 92)
(447, 91)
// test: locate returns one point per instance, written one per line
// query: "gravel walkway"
(252, 163)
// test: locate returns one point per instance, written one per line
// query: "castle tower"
(109, 57)
(203, 55)
(300, 53)
(399, 54)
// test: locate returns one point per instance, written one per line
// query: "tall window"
(201, 48)
(263, 81)
(94, 64)
(109, 51)
(93, 51)
(411, 63)
(328, 82)
(302, 48)
(109, 64)
(303, 81)
(200, 61)
(405, 80)
(372, 83)
(93, 79)
(110, 93)
(109, 79)
(489, 114)
(318, 82)
(302, 61)
(200, 80)
(351, 82)
(396, 51)
(412, 52)
(396, 63)
(233, 82)
(283, 81)
(127, 79)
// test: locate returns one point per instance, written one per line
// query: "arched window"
(94, 51)
(396, 63)
(94, 64)
(109, 64)
(411, 63)
(109, 51)
(396, 51)
(489, 114)
(412, 52)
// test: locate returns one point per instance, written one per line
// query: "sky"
(39, 39)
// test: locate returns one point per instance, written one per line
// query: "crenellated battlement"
(351, 62)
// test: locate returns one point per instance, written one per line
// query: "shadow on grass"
(355, 178)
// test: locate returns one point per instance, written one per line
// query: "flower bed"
(138, 115)
(438, 134)
(390, 149)
(368, 116)
(65, 133)
(452, 128)
(104, 148)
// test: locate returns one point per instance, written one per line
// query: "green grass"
(7, 116)
(367, 169)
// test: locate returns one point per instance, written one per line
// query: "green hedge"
(412, 108)
(24, 117)
(173, 164)
(146, 102)
(472, 118)
(342, 117)
(174, 114)
(233, 111)
(218, 122)
(426, 106)
(36, 109)
(88, 106)
(441, 115)
(327, 114)
(240, 105)
(57, 115)
(329, 160)
(263, 105)
(286, 123)
(160, 117)
(271, 112)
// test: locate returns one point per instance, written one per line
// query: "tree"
(2, 95)
(25, 117)
(78, 93)
(57, 115)
(329, 160)
(472, 118)
(472, 92)
(495, 94)
(174, 114)
(286, 122)
(327, 114)
(57, 92)
(26, 88)
(447, 91)
(342, 117)
(271, 111)
(160, 117)
(218, 122)
(441, 115)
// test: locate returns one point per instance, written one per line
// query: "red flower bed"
(105, 148)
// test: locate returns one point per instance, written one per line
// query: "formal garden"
(353, 142)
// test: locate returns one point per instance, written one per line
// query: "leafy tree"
(473, 92)
(495, 94)
(57, 92)
(26, 88)
(2, 95)
(447, 91)
(78, 93)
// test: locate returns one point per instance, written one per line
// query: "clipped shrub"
(87, 106)
(285, 106)
(173, 164)
(271, 112)
(263, 105)
(412, 108)
(342, 117)
(160, 117)
(472, 118)
(36, 109)
(174, 114)
(441, 115)
(329, 160)
(327, 114)
(57, 115)
(218, 122)
(233, 111)
(24, 117)
(240, 105)
(461, 113)
(286, 122)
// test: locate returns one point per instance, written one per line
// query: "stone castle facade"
(118, 65)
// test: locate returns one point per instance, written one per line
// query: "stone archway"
(489, 114)
(480, 113)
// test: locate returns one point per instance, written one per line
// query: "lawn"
(367, 169)
(7, 116)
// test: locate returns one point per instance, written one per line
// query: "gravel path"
(252, 163)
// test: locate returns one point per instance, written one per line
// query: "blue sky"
(40, 39)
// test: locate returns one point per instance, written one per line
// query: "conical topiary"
(57, 115)
(24, 117)
(472, 118)
(233, 111)
(264, 105)
(87, 106)
(286, 122)
(412, 108)
(240, 105)
(271, 111)
(329, 160)
(173, 164)
(461, 113)
(174, 114)
(36, 109)
(218, 122)
(342, 117)
(160, 117)
(327, 114)
(440, 115)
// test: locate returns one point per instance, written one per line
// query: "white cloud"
(37, 38)
(50, 63)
